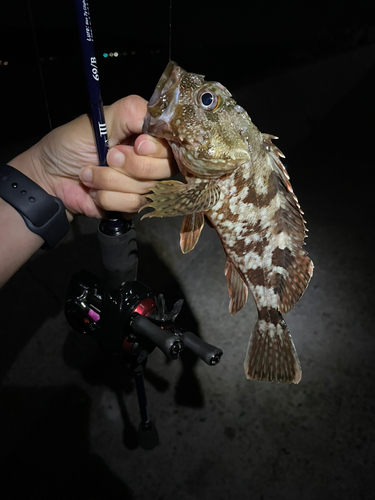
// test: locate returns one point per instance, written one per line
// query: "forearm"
(17, 242)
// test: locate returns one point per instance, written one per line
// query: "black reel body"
(130, 319)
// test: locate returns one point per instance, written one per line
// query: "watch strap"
(43, 214)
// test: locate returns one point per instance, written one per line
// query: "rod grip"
(119, 255)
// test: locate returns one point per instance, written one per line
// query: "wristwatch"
(43, 214)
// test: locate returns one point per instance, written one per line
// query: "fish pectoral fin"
(271, 354)
(171, 198)
(191, 229)
(237, 288)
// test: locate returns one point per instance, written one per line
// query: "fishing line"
(170, 30)
(75, 227)
(38, 62)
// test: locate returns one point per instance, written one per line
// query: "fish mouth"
(159, 108)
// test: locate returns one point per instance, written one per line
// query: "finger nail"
(116, 158)
(85, 175)
(146, 148)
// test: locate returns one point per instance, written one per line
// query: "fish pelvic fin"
(171, 198)
(237, 288)
(271, 354)
(191, 229)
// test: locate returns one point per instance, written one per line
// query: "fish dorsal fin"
(237, 288)
(276, 154)
(289, 229)
(191, 229)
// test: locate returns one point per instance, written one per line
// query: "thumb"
(125, 118)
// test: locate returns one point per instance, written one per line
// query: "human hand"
(63, 162)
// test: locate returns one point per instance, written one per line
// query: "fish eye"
(208, 100)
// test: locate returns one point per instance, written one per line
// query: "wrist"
(32, 165)
(43, 213)
(17, 243)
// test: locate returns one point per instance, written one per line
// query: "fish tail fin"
(271, 354)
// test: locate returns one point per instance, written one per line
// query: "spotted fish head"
(205, 127)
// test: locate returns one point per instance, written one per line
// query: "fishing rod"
(116, 234)
(120, 313)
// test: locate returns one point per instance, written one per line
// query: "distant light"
(105, 54)
(133, 52)
(124, 53)
(157, 51)
(115, 54)
(111, 54)
(5, 63)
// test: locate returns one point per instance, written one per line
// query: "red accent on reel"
(144, 308)
(126, 345)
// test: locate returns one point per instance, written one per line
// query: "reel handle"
(169, 343)
(208, 353)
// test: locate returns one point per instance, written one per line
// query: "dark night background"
(305, 72)
(243, 43)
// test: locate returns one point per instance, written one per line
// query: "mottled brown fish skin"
(236, 179)
(261, 229)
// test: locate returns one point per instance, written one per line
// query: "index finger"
(127, 161)
(146, 145)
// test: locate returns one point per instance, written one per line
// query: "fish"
(234, 179)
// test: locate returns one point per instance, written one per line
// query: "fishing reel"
(130, 319)
(125, 317)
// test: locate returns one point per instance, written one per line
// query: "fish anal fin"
(237, 288)
(191, 229)
(271, 354)
(171, 198)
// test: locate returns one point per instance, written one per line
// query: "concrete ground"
(68, 415)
